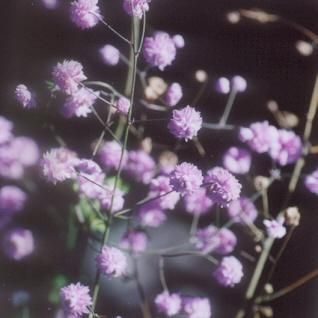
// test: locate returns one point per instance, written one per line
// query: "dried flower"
(222, 85)
(6, 127)
(123, 105)
(136, 241)
(151, 214)
(178, 41)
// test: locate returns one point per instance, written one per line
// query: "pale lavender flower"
(18, 243)
(311, 182)
(198, 202)
(287, 148)
(140, 166)
(50, 4)
(178, 41)
(186, 178)
(12, 199)
(122, 105)
(275, 228)
(109, 155)
(237, 160)
(242, 210)
(109, 199)
(85, 13)
(136, 241)
(206, 239)
(67, 76)
(24, 96)
(58, 165)
(168, 304)
(80, 103)
(111, 262)
(30, 149)
(222, 186)
(260, 136)
(159, 50)
(173, 94)
(196, 307)
(229, 272)
(151, 214)
(75, 300)
(110, 55)
(88, 166)
(136, 7)
(185, 123)
(223, 85)
(227, 243)
(6, 127)
(10, 166)
(239, 83)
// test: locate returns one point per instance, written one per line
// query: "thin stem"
(162, 274)
(218, 126)
(228, 107)
(192, 253)
(265, 204)
(194, 224)
(104, 85)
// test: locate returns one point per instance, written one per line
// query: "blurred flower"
(168, 304)
(275, 228)
(167, 162)
(229, 272)
(237, 160)
(111, 262)
(110, 54)
(24, 96)
(196, 307)
(198, 202)
(239, 84)
(292, 216)
(31, 152)
(242, 210)
(223, 85)
(110, 199)
(151, 214)
(136, 241)
(185, 123)
(75, 300)
(156, 87)
(85, 13)
(304, 48)
(173, 94)
(6, 127)
(12, 199)
(178, 41)
(136, 7)
(123, 105)
(110, 153)
(311, 182)
(227, 243)
(206, 239)
(159, 50)
(50, 4)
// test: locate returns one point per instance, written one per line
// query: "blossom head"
(85, 13)
(109, 155)
(24, 96)
(227, 243)
(136, 7)
(110, 200)
(173, 94)
(222, 85)
(31, 152)
(206, 239)
(151, 214)
(275, 228)
(229, 272)
(123, 105)
(198, 202)
(311, 182)
(237, 160)
(168, 304)
(186, 178)
(75, 300)
(67, 76)
(196, 307)
(159, 50)
(50, 4)
(110, 55)
(242, 210)
(185, 123)
(12, 199)
(239, 83)
(6, 127)
(111, 262)
(136, 241)
(222, 186)
(178, 40)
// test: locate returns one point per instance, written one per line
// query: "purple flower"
(18, 243)
(223, 85)
(198, 202)
(85, 13)
(111, 262)
(173, 94)
(311, 182)
(186, 178)
(12, 199)
(167, 162)
(80, 103)
(10, 166)
(136, 7)
(151, 214)
(159, 50)
(140, 166)
(50, 4)
(110, 200)
(206, 239)
(109, 54)
(24, 96)
(227, 243)
(58, 165)
(123, 105)
(196, 307)
(242, 210)
(67, 76)
(222, 186)
(109, 155)
(237, 160)
(178, 41)
(168, 304)
(5, 130)
(185, 123)
(260, 136)
(75, 300)
(136, 241)
(239, 83)
(275, 228)
(287, 148)
(31, 152)
(229, 272)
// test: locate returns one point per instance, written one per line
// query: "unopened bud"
(261, 183)
(156, 87)
(304, 48)
(201, 76)
(292, 216)
(233, 17)
(146, 145)
(269, 288)
(167, 161)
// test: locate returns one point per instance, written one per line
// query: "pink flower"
(168, 304)
(242, 210)
(229, 272)
(275, 228)
(85, 13)
(110, 153)
(123, 105)
(173, 94)
(197, 202)
(311, 182)
(136, 7)
(136, 241)
(110, 54)
(237, 160)
(196, 307)
(24, 96)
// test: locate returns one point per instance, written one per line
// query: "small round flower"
(111, 262)
(24, 96)
(185, 123)
(237, 160)
(109, 155)
(198, 202)
(260, 136)
(75, 300)
(67, 76)
(10, 166)
(186, 178)
(206, 239)
(85, 13)
(239, 83)
(242, 210)
(12, 199)
(58, 165)
(50, 4)
(136, 7)
(168, 304)
(229, 272)
(18, 243)
(178, 41)
(173, 94)
(31, 152)
(275, 228)
(222, 186)
(227, 243)
(151, 214)
(136, 241)
(196, 307)
(311, 182)
(159, 50)
(122, 105)
(110, 55)
(287, 148)
(108, 200)
(6, 127)
(222, 85)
